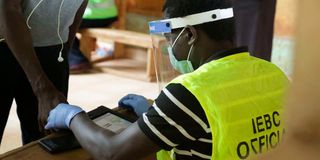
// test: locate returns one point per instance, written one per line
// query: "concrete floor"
(88, 91)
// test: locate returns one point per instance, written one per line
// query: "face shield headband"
(165, 27)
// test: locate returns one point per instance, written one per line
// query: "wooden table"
(33, 151)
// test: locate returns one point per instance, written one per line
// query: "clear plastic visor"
(162, 37)
(162, 40)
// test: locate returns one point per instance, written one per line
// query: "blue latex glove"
(137, 103)
(61, 116)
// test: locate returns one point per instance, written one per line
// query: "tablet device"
(102, 116)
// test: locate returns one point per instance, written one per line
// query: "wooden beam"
(151, 65)
(87, 45)
(121, 36)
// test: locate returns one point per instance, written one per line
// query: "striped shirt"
(177, 121)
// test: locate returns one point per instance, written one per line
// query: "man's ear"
(193, 35)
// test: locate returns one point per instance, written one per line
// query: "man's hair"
(219, 30)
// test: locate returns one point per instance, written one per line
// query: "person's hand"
(61, 116)
(137, 103)
(46, 102)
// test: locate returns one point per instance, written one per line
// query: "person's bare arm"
(19, 41)
(76, 24)
(132, 143)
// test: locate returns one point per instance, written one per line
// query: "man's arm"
(132, 143)
(76, 24)
(19, 41)
(155, 130)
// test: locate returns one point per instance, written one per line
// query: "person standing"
(35, 38)
(255, 26)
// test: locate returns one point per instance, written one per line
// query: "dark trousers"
(15, 86)
(254, 26)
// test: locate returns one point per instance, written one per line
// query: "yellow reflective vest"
(242, 97)
(100, 9)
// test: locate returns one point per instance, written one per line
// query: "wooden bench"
(133, 52)
(125, 65)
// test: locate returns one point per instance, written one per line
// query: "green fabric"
(164, 155)
(100, 9)
(242, 97)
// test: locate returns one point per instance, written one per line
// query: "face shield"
(167, 65)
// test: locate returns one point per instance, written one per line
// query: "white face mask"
(183, 66)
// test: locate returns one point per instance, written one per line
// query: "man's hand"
(137, 103)
(61, 116)
(48, 99)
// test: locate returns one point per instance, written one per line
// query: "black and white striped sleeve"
(177, 120)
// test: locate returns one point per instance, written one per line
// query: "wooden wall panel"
(146, 7)
(138, 14)
(285, 17)
(303, 107)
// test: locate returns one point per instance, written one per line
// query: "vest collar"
(225, 53)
